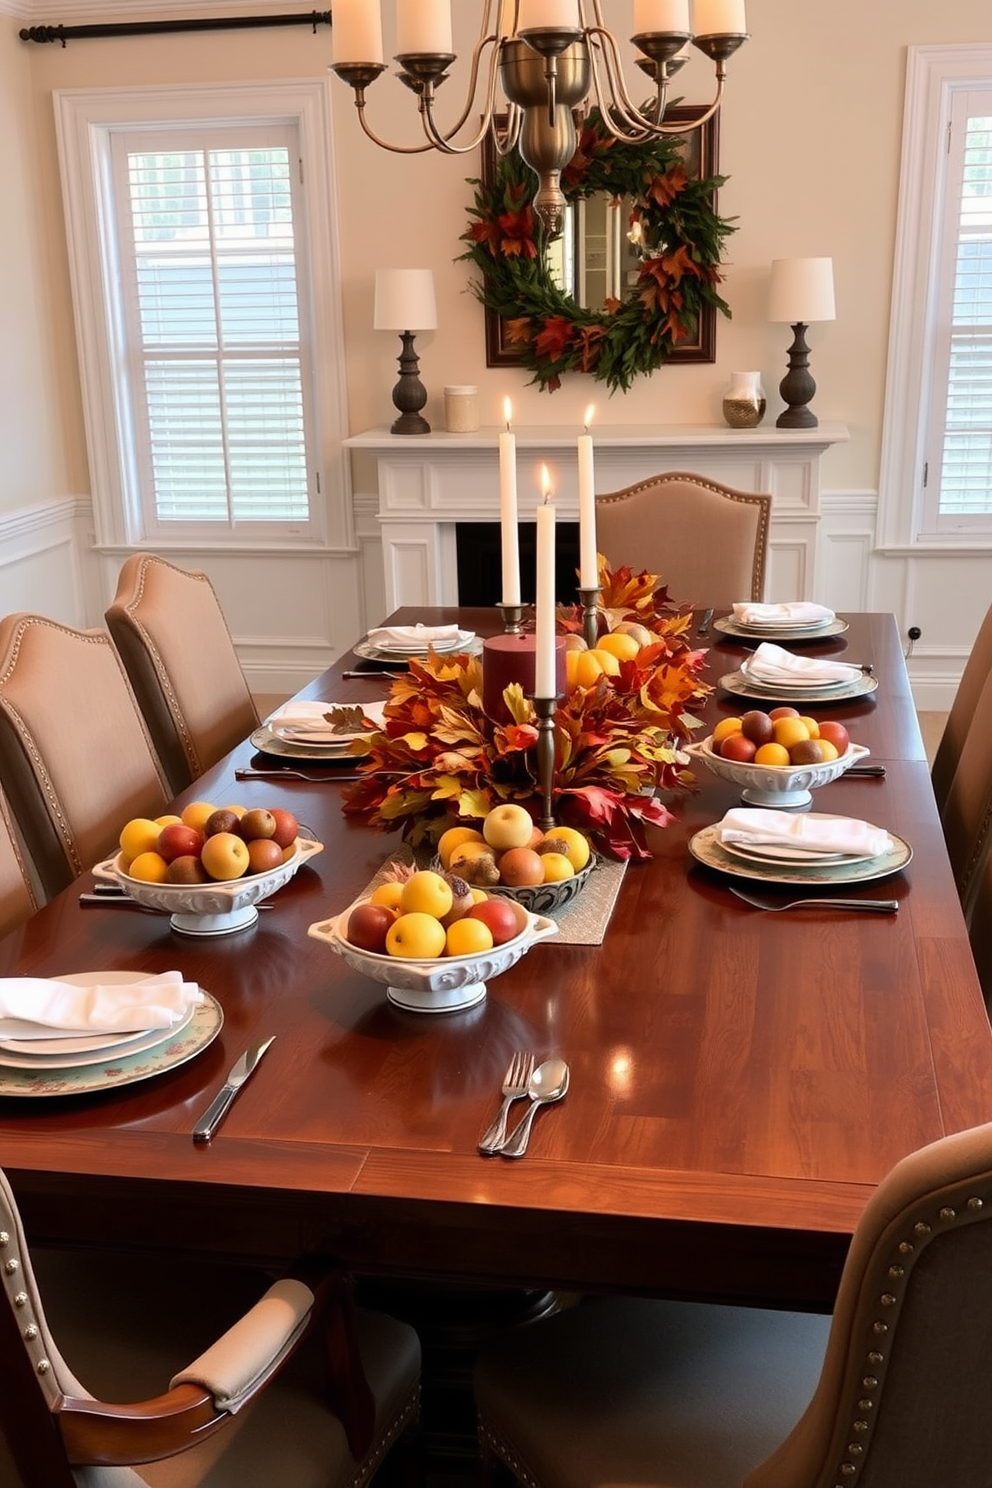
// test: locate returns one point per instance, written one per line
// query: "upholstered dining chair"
(300, 1388)
(18, 899)
(892, 1392)
(966, 814)
(706, 541)
(75, 756)
(169, 628)
(969, 690)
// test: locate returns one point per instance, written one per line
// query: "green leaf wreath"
(673, 219)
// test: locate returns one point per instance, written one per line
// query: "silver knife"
(218, 1107)
(704, 624)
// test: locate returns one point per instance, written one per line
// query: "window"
(936, 476)
(199, 275)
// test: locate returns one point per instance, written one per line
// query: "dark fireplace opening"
(480, 562)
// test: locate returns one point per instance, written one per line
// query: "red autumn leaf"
(552, 340)
(664, 189)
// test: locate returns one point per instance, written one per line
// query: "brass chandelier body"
(546, 74)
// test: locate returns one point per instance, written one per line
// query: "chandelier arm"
(384, 144)
(507, 142)
(618, 102)
(442, 141)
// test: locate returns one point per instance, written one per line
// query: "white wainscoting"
(293, 614)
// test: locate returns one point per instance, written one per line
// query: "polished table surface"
(740, 1081)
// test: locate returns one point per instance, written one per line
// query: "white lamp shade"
(801, 290)
(404, 300)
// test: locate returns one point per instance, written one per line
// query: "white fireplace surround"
(428, 483)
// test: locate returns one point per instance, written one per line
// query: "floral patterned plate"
(175, 1048)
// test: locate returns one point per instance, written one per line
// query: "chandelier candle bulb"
(510, 545)
(534, 15)
(421, 26)
(720, 18)
(544, 662)
(588, 567)
(661, 15)
(357, 32)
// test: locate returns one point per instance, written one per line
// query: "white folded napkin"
(308, 721)
(751, 826)
(774, 664)
(798, 612)
(407, 637)
(36, 1007)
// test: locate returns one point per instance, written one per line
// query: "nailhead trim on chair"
(963, 1210)
(404, 1417)
(905, 1256)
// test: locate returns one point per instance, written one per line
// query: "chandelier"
(549, 57)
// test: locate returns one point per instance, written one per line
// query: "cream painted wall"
(810, 139)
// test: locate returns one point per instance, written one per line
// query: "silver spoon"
(549, 1082)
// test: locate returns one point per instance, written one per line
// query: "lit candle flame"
(547, 485)
(507, 411)
(588, 418)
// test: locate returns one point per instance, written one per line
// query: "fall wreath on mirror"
(439, 761)
(674, 223)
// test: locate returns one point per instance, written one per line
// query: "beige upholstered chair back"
(75, 756)
(172, 636)
(707, 542)
(903, 1394)
(966, 814)
(977, 669)
(18, 899)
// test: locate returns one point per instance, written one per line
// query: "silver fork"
(515, 1083)
(336, 779)
(878, 906)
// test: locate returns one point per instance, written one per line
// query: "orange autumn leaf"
(553, 338)
(664, 189)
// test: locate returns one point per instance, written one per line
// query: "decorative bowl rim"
(216, 895)
(776, 777)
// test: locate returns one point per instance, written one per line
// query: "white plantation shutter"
(958, 491)
(210, 290)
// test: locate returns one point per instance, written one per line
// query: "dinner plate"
(767, 854)
(801, 684)
(739, 684)
(266, 742)
(705, 848)
(171, 1052)
(471, 645)
(323, 733)
(37, 1054)
(727, 625)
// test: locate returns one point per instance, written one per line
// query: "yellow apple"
(468, 937)
(388, 895)
(455, 837)
(426, 893)
(508, 825)
(416, 937)
(139, 835)
(577, 847)
(225, 856)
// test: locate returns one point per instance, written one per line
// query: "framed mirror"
(631, 282)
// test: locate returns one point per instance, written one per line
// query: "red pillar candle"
(510, 658)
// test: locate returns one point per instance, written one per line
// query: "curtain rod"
(313, 18)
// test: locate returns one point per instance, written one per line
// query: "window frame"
(935, 75)
(86, 122)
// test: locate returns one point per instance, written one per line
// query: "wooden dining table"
(740, 1080)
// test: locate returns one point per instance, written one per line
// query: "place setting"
(774, 674)
(815, 848)
(796, 620)
(396, 645)
(98, 1030)
(317, 732)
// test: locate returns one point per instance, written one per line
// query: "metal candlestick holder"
(545, 710)
(590, 615)
(512, 618)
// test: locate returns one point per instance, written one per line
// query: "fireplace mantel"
(428, 483)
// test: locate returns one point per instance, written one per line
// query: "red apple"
(500, 915)
(836, 734)
(179, 841)
(736, 747)
(784, 712)
(368, 925)
(287, 827)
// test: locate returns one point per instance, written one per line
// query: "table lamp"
(404, 302)
(801, 290)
